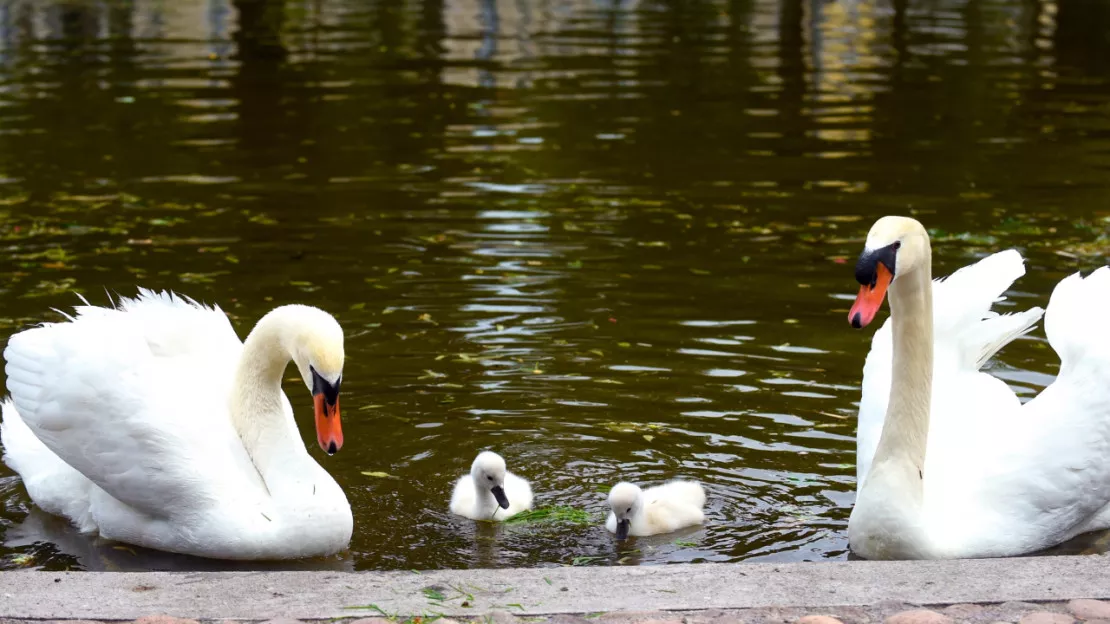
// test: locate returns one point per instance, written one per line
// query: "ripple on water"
(611, 241)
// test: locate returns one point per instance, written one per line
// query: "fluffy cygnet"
(490, 492)
(660, 509)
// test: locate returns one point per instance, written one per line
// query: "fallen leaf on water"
(379, 475)
(649, 438)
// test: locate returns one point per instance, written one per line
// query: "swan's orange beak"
(870, 297)
(329, 431)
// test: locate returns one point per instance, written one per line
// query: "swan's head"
(488, 471)
(625, 499)
(895, 246)
(315, 341)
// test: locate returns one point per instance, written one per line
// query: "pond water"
(609, 239)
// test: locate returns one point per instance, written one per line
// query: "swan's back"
(673, 505)
(135, 399)
(682, 492)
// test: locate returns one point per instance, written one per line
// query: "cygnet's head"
(488, 471)
(625, 499)
(314, 339)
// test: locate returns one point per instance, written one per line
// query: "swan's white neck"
(906, 427)
(257, 403)
(887, 521)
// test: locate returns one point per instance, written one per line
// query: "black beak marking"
(867, 267)
(622, 528)
(331, 448)
(499, 494)
(322, 386)
(857, 320)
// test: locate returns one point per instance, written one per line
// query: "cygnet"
(660, 509)
(490, 492)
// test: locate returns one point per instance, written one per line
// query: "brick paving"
(1073, 612)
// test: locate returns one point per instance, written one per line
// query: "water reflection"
(611, 239)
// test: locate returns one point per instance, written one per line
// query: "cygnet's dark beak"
(499, 494)
(622, 528)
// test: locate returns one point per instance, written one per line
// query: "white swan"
(489, 489)
(951, 464)
(660, 509)
(152, 424)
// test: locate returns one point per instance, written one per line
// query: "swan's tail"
(53, 484)
(962, 307)
(1076, 322)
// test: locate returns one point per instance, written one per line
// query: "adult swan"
(152, 424)
(951, 464)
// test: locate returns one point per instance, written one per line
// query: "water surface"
(611, 240)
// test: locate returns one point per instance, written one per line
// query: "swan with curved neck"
(952, 463)
(897, 247)
(152, 424)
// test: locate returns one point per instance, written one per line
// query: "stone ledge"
(1073, 612)
(808, 587)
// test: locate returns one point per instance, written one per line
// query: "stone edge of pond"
(527, 592)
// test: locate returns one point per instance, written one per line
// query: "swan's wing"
(966, 333)
(1061, 443)
(135, 399)
(172, 324)
(1037, 474)
(874, 396)
(53, 484)
(519, 492)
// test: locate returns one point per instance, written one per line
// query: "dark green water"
(611, 240)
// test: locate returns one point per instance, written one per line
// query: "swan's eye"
(490, 478)
(629, 510)
(897, 245)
